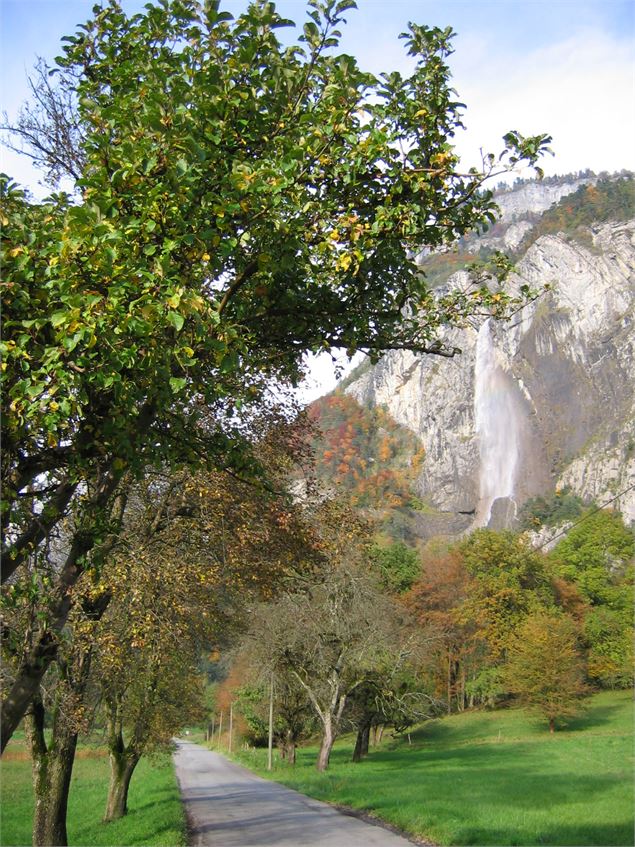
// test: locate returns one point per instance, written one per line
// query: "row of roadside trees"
(486, 623)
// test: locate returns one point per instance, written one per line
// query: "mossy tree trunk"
(52, 768)
(121, 770)
(362, 741)
(123, 760)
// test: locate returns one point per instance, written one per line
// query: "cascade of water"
(497, 426)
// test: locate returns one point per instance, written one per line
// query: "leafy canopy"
(238, 203)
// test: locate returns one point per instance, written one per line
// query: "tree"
(509, 582)
(398, 564)
(595, 560)
(609, 635)
(390, 695)
(597, 556)
(437, 601)
(197, 550)
(66, 704)
(237, 204)
(192, 551)
(329, 637)
(294, 718)
(545, 668)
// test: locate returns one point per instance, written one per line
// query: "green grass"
(155, 815)
(490, 778)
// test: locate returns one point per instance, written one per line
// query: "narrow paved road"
(227, 806)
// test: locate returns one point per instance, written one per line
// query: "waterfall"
(497, 426)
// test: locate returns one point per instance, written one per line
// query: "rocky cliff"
(544, 401)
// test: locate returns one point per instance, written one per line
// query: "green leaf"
(176, 320)
(177, 384)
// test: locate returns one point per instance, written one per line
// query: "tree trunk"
(290, 752)
(328, 739)
(365, 739)
(121, 769)
(552, 725)
(357, 752)
(44, 650)
(361, 742)
(52, 770)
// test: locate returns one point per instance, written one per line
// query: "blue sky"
(566, 67)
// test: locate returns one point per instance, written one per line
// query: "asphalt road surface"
(227, 806)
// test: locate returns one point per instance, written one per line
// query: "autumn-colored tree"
(146, 662)
(59, 714)
(196, 551)
(455, 650)
(545, 667)
(363, 454)
(192, 550)
(509, 580)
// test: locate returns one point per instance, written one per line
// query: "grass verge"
(155, 815)
(490, 778)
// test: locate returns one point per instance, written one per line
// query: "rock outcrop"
(564, 377)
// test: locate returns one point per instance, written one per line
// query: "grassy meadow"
(155, 815)
(489, 778)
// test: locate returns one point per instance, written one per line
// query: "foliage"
(456, 651)
(195, 551)
(562, 506)
(609, 636)
(294, 718)
(511, 781)
(330, 637)
(398, 564)
(509, 582)
(486, 687)
(597, 556)
(255, 206)
(596, 559)
(544, 666)
(364, 453)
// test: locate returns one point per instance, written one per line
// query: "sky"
(563, 67)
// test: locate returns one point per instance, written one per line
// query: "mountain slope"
(547, 400)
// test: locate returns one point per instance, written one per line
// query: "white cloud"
(580, 91)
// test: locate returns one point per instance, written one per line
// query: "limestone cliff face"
(535, 197)
(563, 374)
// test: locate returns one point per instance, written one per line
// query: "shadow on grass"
(609, 835)
(159, 798)
(592, 718)
(464, 786)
